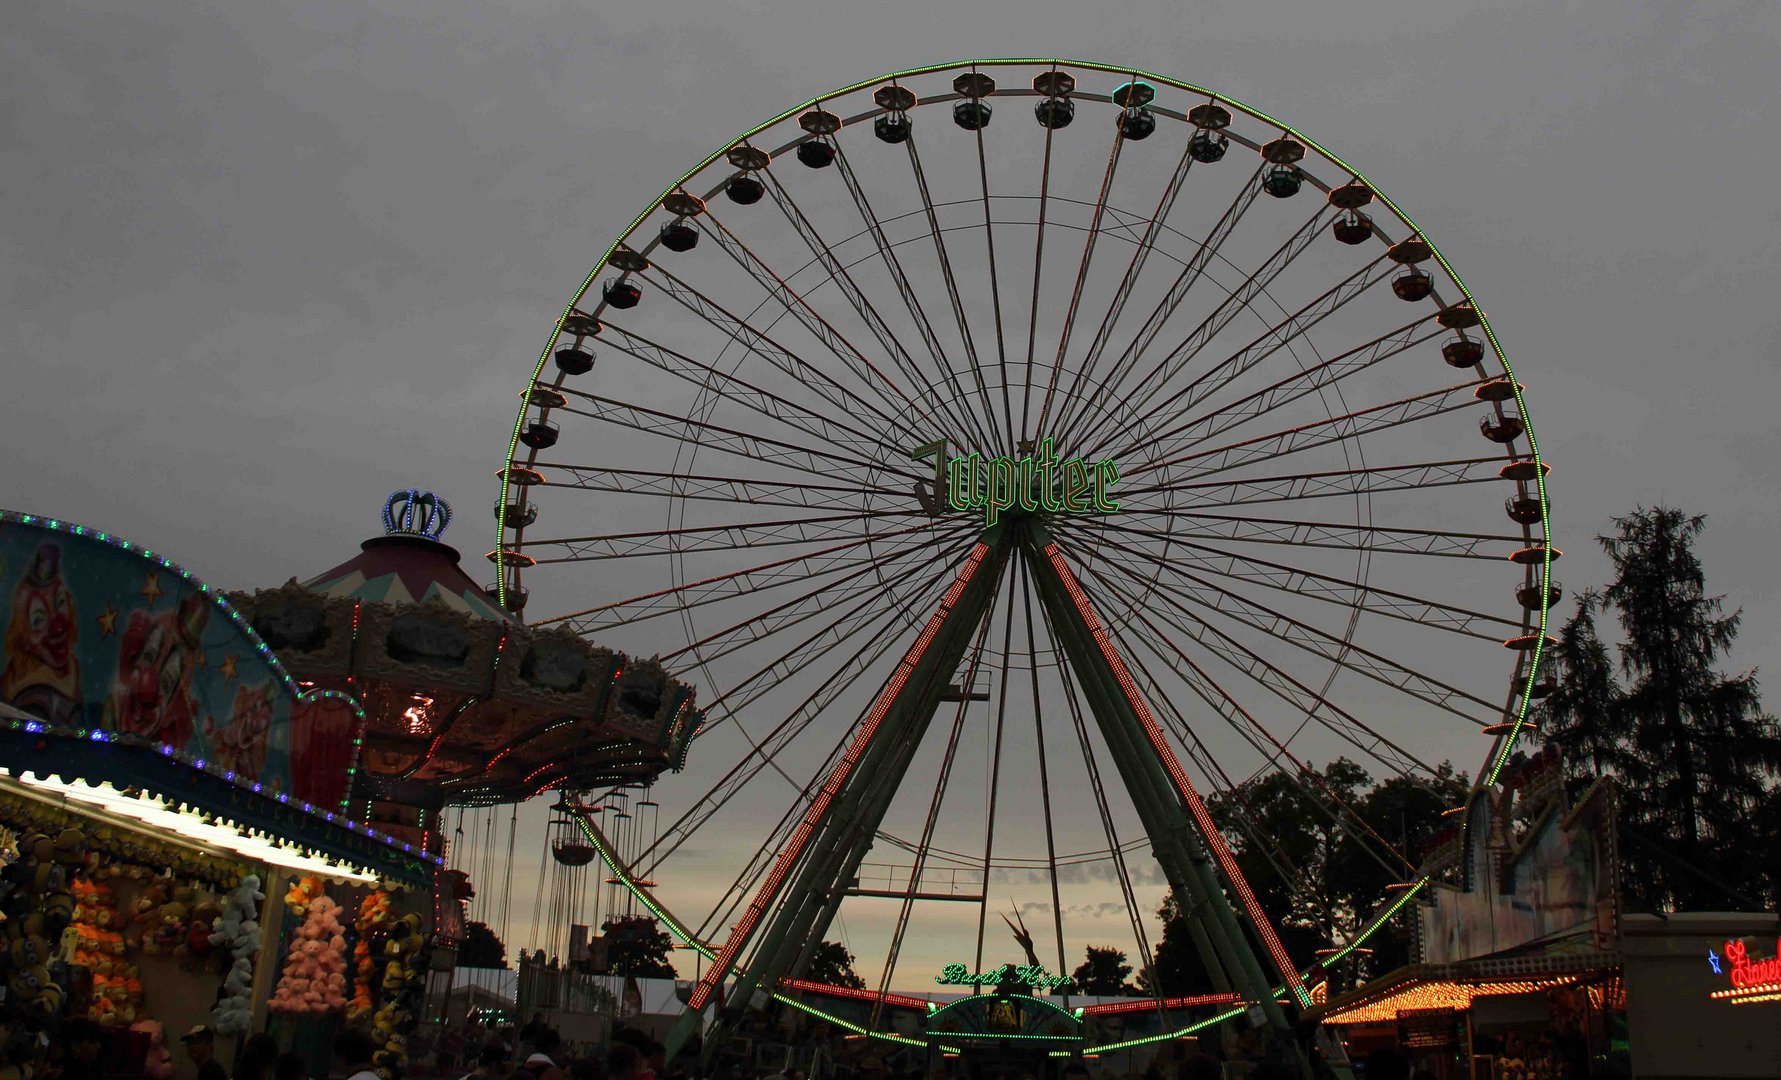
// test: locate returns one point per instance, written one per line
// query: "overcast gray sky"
(263, 264)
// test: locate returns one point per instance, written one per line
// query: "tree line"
(1696, 757)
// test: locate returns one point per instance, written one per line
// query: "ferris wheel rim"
(1504, 742)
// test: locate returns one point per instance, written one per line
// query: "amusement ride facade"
(1014, 454)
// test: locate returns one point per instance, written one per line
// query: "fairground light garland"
(297, 692)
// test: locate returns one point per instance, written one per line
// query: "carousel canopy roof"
(465, 704)
(409, 564)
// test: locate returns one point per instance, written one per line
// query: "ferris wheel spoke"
(1270, 747)
(1303, 383)
(1314, 704)
(1344, 428)
(762, 753)
(1190, 274)
(728, 440)
(1088, 252)
(941, 782)
(789, 494)
(1217, 777)
(1337, 535)
(1091, 766)
(1026, 396)
(1277, 626)
(954, 297)
(730, 585)
(862, 306)
(1278, 336)
(1330, 588)
(1038, 700)
(782, 359)
(1332, 483)
(917, 314)
(1352, 596)
(1143, 245)
(728, 387)
(995, 287)
(867, 580)
(736, 536)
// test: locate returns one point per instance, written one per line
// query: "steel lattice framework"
(770, 442)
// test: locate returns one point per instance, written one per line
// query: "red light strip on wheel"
(813, 817)
(901, 1000)
(1202, 817)
(1151, 1004)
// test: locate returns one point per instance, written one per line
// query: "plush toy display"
(390, 972)
(237, 936)
(314, 979)
(37, 907)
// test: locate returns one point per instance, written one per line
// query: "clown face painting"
(157, 656)
(240, 743)
(42, 676)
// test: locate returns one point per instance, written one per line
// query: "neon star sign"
(1751, 979)
(1032, 483)
(1030, 975)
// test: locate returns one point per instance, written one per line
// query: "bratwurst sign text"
(1034, 482)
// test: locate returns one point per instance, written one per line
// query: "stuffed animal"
(170, 932)
(158, 1064)
(237, 935)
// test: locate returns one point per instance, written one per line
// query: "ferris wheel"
(1016, 454)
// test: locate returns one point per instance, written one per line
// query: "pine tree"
(1582, 715)
(1693, 747)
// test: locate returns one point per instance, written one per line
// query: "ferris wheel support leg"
(1184, 861)
(812, 872)
(1184, 853)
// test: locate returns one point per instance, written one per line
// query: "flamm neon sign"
(1752, 980)
(1033, 482)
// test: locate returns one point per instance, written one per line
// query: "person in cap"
(200, 1044)
(542, 1064)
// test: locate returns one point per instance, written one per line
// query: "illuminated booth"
(1527, 966)
(165, 783)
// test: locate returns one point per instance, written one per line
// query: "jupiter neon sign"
(1034, 482)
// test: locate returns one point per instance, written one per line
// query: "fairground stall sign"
(1752, 980)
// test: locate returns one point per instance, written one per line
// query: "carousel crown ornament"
(416, 513)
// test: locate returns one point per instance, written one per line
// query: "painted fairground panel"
(1543, 872)
(101, 635)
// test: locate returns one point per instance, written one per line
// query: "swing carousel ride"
(1016, 454)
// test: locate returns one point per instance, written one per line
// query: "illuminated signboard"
(1032, 482)
(1752, 979)
(1034, 976)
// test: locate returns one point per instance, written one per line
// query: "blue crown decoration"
(416, 513)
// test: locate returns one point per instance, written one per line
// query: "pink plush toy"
(314, 979)
(158, 1064)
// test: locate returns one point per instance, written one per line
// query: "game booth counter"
(180, 843)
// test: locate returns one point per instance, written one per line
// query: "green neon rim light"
(1503, 741)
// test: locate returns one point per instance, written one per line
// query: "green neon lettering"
(1075, 486)
(1048, 500)
(1039, 482)
(1106, 475)
(1032, 976)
